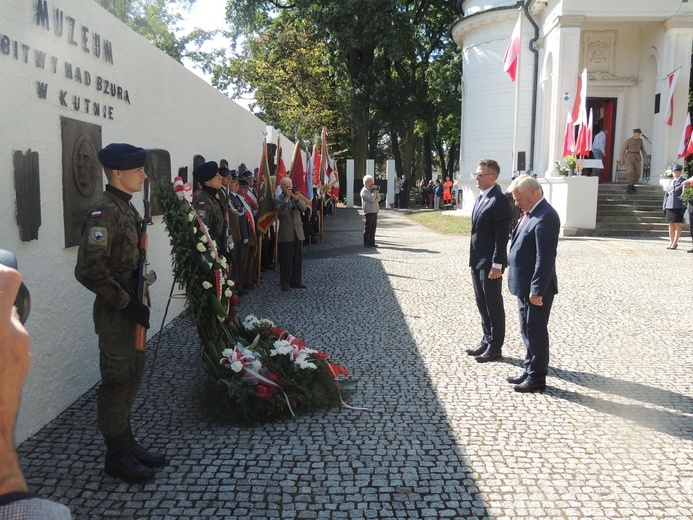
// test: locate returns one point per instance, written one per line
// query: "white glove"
(245, 240)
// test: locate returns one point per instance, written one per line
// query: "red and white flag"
(579, 114)
(685, 148)
(512, 53)
(569, 139)
(584, 138)
(673, 77)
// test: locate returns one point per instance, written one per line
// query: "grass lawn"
(443, 224)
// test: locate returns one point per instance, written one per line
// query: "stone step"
(613, 232)
(627, 218)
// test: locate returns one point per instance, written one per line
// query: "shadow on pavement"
(400, 460)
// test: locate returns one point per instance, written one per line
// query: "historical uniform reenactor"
(632, 155)
(208, 203)
(107, 263)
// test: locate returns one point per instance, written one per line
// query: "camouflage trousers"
(122, 368)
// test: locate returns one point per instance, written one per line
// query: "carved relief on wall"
(82, 174)
(84, 165)
(599, 47)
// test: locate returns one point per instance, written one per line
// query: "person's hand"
(137, 312)
(535, 299)
(494, 273)
(15, 358)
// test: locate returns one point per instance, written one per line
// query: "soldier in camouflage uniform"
(208, 202)
(107, 265)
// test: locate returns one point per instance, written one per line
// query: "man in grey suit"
(532, 277)
(289, 206)
(488, 258)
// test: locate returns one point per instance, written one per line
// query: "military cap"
(233, 174)
(637, 131)
(243, 183)
(241, 169)
(246, 175)
(122, 156)
(224, 171)
(678, 168)
(205, 172)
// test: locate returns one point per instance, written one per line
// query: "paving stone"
(446, 437)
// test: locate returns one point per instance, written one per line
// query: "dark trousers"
(489, 300)
(534, 321)
(290, 261)
(369, 229)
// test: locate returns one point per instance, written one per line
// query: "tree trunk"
(410, 141)
(428, 158)
(397, 154)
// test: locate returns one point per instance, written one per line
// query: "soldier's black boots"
(151, 459)
(121, 464)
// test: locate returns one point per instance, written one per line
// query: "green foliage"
(157, 21)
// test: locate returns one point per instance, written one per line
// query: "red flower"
(293, 403)
(320, 355)
(278, 331)
(234, 300)
(273, 377)
(263, 392)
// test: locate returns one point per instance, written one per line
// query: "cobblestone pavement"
(447, 437)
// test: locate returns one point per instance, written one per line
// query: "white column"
(370, 167)
(391, 176)
(350, 183)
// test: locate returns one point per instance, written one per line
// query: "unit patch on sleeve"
(98, 235)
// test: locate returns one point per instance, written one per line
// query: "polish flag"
(685, 148)
(512, 53)
(579, 114)
(673, 77)
(569, 139)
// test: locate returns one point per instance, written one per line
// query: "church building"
(637, 54)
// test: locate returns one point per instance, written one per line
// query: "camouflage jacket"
(108, 254)
(211, 210)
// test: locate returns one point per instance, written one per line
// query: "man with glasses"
(488, 258)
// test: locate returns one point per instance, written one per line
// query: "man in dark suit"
(488, 258)
(532, 277)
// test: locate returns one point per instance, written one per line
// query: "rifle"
(142, 275)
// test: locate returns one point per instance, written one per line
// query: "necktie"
(476, 205)
(522, 222)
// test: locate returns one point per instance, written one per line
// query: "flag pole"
(516, 122)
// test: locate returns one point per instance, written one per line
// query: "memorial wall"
(73, 79)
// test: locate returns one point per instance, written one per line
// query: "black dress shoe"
(477, 351)
(517, 380)
(300, 286)
(488, 356)
(121, 464)
(531, 385)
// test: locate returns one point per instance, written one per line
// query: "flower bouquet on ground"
(256, 371)
(265, 372)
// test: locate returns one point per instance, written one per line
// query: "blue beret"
(205, 172)
(678, 168)
(122, 156)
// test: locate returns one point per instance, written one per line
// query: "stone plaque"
(158, 168)
(82, 174)
(28, 193)
(599, 51)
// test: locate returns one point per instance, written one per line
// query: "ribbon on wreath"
(297, 345)
(246, 359)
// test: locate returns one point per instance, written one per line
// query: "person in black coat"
(488, 259)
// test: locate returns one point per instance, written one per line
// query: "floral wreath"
(256, 371)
